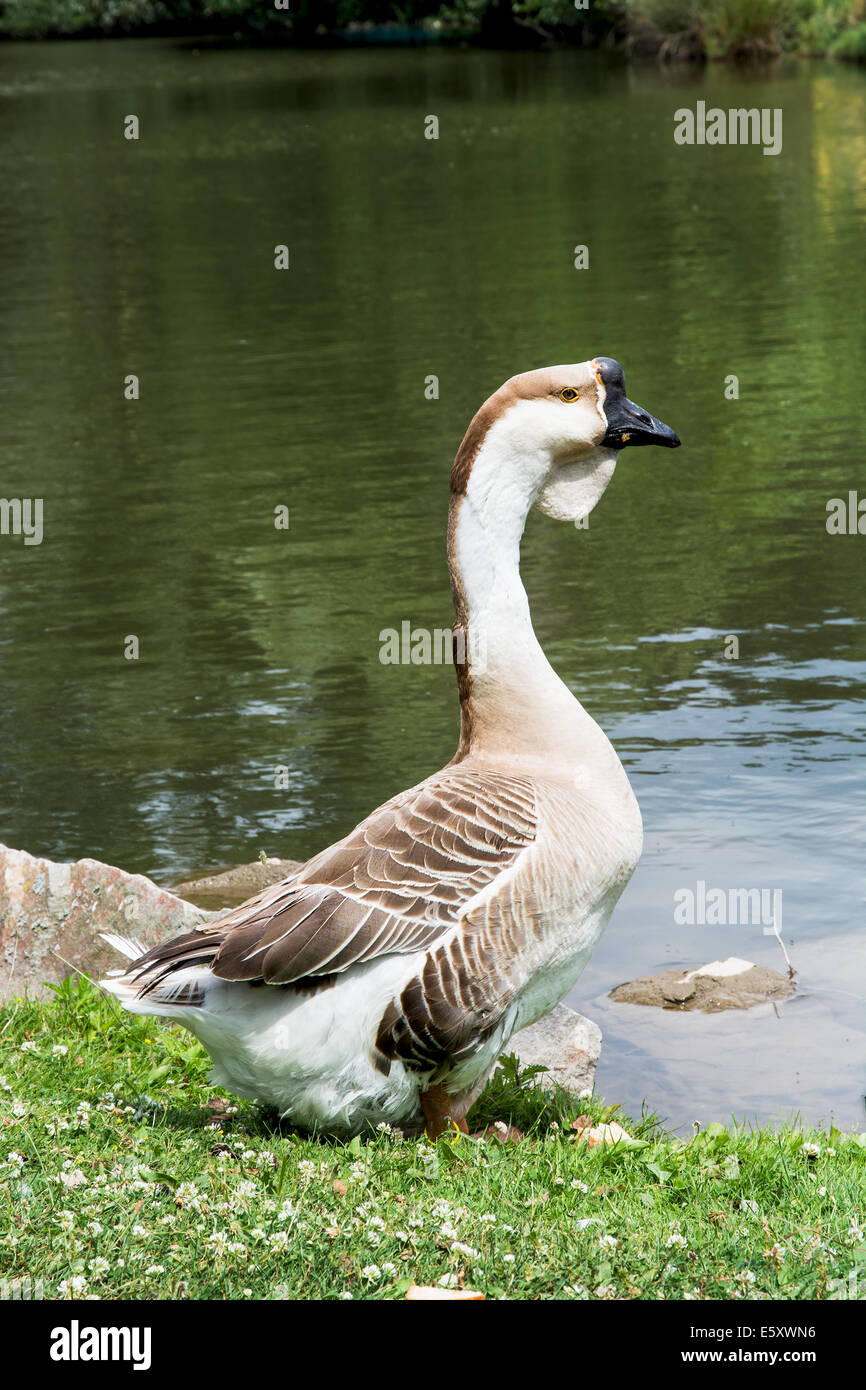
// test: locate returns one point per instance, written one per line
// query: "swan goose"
(381, 981)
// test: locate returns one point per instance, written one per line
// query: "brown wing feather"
(395, 884)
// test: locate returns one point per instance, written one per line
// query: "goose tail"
(169, 997)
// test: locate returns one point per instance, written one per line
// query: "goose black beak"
(628, 423)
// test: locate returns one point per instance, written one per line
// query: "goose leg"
(439, 1111)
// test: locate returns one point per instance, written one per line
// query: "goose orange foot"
(442, 1112)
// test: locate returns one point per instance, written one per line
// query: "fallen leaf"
(604, 1134)
(420, 1292)
(510, 1134)
(340, 1187)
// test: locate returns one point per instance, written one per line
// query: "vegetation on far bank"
(680, 30)
(124, 1174)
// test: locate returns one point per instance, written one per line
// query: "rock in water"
(51, 916)
(722, 984)
(234, 886)
(566, 1043)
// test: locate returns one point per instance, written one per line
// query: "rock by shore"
(565, 1042)
(727, 984)
(51, 916)
(234, 886)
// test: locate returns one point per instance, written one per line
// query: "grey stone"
(730, 984)
(234, 886)
(51, 916)
(566, 1043)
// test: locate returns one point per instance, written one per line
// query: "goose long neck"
(512, 703)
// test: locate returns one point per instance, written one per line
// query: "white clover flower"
(447, 1281)
(501, 1126)
(459, 1248)
(237, 1247)
(16, 1158)
(218, 1241)
(448, 1231)
(581, 1186)
(75, 1178)
(19, 1108)
(605, 1291)
(559, 1182)
(99, 1266)
(346, 1296)
(375, 1223)
(155, 1269)
(258, 1234)
(488, 1219)
(811, 1150)
(306, 1168)
(279, 1240)
(611, 1242)
(371, 1272)
(401, 1236)
(746, 1276)
(389, 1267)
(383, 1127)
(579, 1290)
(675, 1239)
(585, 1094)
(29, 1047)
(76, 1286)
(246, 1188)
(59, 1050)
(508, 1259)
(95, 1228)
(66, 1220)
(831, 1153)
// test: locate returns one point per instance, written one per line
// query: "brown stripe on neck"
(474, 437)
(460, 632)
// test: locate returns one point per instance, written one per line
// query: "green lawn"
(120, 1178)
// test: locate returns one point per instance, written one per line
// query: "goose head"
(554, 434)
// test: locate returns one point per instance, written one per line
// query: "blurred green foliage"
(671, 29)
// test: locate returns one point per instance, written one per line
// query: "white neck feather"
(519, 706)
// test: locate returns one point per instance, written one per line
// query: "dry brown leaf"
(420, 1292)
(603, 1134)
(340, 1187)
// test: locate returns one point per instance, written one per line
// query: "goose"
(379, 983)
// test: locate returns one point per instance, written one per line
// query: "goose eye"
(568, 393)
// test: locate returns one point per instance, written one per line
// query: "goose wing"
(395, 884)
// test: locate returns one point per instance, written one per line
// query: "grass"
(124, 1174)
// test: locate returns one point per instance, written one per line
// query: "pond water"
(259, 647)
